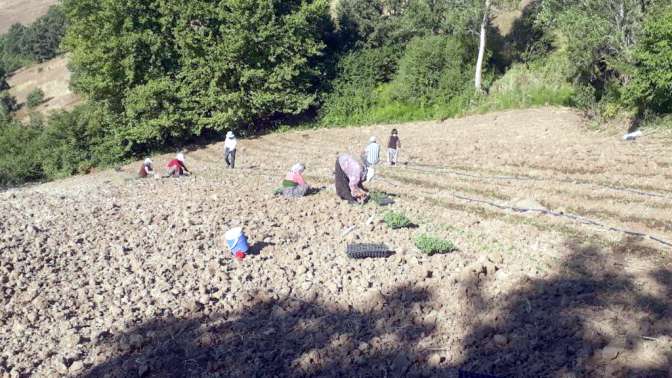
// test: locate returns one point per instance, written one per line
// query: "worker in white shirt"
(230, 149)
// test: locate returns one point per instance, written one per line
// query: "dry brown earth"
(53, 77)
(110, 275)
(22, 11)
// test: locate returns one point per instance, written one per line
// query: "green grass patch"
(431, 245)
(396, 220)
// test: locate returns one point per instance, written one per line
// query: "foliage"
(35, 98)
(17, 162)
(432, 70)
(39, 42)
(359, 74)
(64, 144)
(652, 83)
(8, 105)
(3, 79)
(176, 70)
(431, 245)
(538, 83)
(395, 220)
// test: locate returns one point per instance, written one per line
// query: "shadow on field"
(592, 318)
(589, 317)
(279, 338)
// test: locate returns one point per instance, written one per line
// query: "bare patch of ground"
(108, 275)
(22, 12)
(53, 77)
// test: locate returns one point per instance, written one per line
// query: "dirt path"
(109, 275)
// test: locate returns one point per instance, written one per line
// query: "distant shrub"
(651, 85)
(18, 161)
(353, 91)
(431, 245)
(35, 98)
(8, 104)
(395, 220)
(23, 45)
(64, 144)
(433, 69)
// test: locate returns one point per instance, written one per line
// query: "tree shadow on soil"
(592, 318)
(587, 318)
(286, 337)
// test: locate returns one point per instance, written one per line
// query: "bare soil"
(53, 77)
(108, 275)
(22, 11)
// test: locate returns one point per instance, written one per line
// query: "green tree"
(651, 86)
(46, 34)
(433, 69)
(172, 70)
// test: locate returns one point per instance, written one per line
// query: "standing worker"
(372, 152)
(393, 146)
(349, 175)
(230, 149)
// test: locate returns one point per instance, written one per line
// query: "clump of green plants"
(431, 245)
(35, 98)
(380, 198)
(396, 220)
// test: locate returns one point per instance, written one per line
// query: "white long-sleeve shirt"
(231, 143)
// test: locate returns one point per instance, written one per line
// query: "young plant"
(431, 245)
(380, 198)
(395, 220)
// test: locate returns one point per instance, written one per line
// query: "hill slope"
(53, 77)
(22, 12)
(109, 274)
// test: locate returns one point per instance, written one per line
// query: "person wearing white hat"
(146, 169)
(230, 149)
(176, 167)
(371, 153)
(294, 185)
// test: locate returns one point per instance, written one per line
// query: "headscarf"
(180, 157)
(297, 168)
(230, 135)
(372, 139)
(148, 162)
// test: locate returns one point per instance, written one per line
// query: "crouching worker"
(176, 167)
(294, 185)
(349, 175)
(147, 168)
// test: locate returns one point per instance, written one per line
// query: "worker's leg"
(226, 157)
(342, 184)
(233, 159)
(297, 191)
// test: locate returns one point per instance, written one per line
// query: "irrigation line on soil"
(439, 169)
(578, 218)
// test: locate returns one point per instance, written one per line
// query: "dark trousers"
(230, 157)
(342, 183)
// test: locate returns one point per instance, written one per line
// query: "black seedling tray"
(466, 374)
(362, 251)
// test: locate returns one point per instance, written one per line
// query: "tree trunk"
(481, 46)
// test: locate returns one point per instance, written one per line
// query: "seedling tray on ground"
(362, 251)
